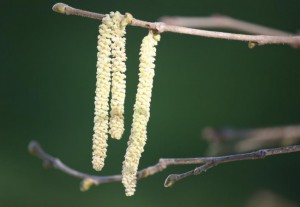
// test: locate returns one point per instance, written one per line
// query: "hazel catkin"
(141, 115)
(102, 94)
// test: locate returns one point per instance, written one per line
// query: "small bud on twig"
(60, 8)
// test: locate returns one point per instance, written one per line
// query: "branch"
(222, 22)
(241, 140)
(162, 27)
(206, 163)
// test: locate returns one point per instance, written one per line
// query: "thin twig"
(222, 22)
(242, 140)
(211, 162)
(162, 27)
(207, 163)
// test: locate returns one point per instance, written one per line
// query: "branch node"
(156, 35)
(160, 27)
(261, 154)
(86, 184)
(127, 19)
(60, 8)
(199, 170)
(252, 45)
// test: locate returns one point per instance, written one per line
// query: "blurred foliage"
(47, 71)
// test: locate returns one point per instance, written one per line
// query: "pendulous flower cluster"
(141, 115)
(116, 122)
(110, 65)
(111, 78)
(102, 94)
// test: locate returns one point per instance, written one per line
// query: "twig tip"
(60, 8)
(170, 180)
(33, 147)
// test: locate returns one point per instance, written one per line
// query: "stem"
(222, 22)
(242, 140)
(162, 27)
(207, 163)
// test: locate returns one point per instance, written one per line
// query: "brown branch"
(222, 22)
(162, 27)
(207, 163)
(241, 140)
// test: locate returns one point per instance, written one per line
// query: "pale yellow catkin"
(141, 115)
(102, 94)
(116, 122)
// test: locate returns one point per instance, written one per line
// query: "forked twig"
(207, 163)
(163, 27)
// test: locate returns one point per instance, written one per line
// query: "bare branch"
(51, 162)
(242, 140)
(207, 163)
(211, 162)
(162, 27)
(222, 22)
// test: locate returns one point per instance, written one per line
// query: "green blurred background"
(47, 67)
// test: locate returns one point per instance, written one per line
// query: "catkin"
(116, 122)
(102, 94)
(141, 115)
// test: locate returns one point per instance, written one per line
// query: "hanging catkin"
(111, 58)
(102, 93)
(116, 122)
(137, 139)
